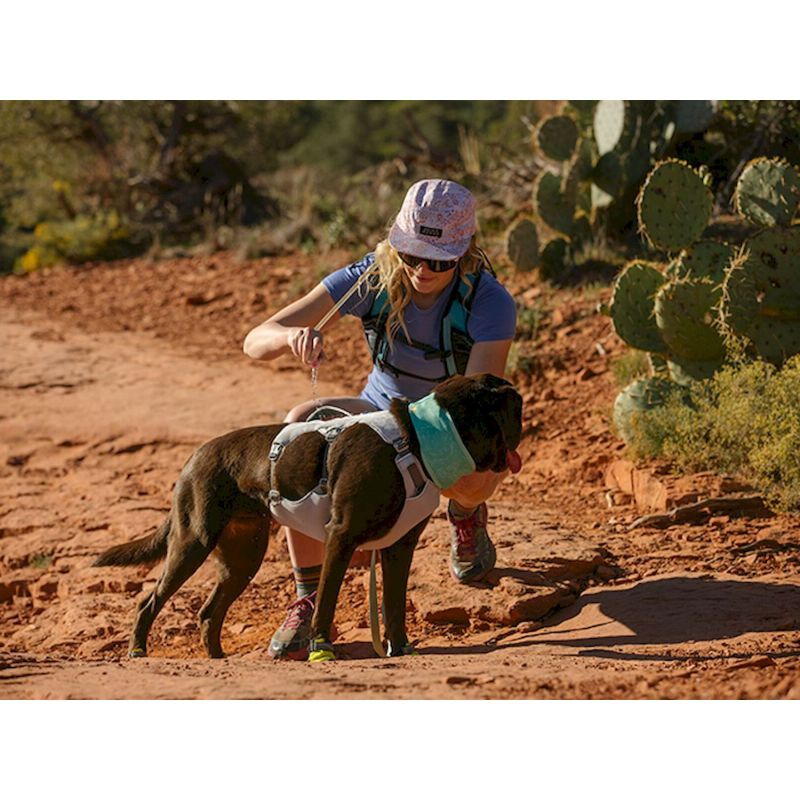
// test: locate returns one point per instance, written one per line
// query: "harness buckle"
(331, 433)
(401, 445)
(274, 496)
(275, 451)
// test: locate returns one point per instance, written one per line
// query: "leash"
(374, 620)
(373, 270)
(374, 617)
(347, 295)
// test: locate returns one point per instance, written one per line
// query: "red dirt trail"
(112, 374)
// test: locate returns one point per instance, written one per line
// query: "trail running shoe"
(472, 553)
(291, 640)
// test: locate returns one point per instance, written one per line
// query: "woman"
(431, 308)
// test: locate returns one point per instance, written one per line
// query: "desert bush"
(745, 420)
(75, 241)
(630, 366)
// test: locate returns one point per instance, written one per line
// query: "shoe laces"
(466, 533)
(299, 612)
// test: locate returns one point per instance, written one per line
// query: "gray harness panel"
(312, 512)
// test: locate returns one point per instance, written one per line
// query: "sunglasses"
(434, 265)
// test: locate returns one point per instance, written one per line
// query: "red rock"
(649, 492)
(619, 475)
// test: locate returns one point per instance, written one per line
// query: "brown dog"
(220, 505)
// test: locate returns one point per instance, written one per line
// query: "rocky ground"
(112, 374)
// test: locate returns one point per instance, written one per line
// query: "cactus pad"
(609, 124)
(761, 294)
(608, 174)
(557, 137)
(553, 261)
(685, 371)
(637, 398)
(703, 261)
(693, 116)
(632, 306)
(551, 205)
(522, 245)
(768, 192)
(674, 205)
(685, 316)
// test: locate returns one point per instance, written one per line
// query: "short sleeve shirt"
(491, 318)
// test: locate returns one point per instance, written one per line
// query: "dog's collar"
(443, 453)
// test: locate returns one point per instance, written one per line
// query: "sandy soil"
(112, 374)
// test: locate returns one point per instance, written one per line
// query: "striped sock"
(307, 579)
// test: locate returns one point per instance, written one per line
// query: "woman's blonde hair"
(394, 280)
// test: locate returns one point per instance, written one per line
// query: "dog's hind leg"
(395, 567)
(184, 556)
(240, 551)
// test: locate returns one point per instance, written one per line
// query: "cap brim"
(414, 246)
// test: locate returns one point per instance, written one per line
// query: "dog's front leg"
(395, 566)
(339, 550)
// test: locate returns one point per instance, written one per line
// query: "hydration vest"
(455, 343)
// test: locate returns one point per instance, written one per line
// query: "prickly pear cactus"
(693, 116)
(674, 205)
(768, 192)
(685, 316)
(611, 119)
(705, 260)
(632, 307)
(551, 205)
(685, 371)
(636, 399)
(557, 137)
(554, 258)
(761, 295)
(522, 245)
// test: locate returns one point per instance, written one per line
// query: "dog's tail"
(146, 550)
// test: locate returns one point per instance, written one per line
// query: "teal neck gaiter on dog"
(443, 453)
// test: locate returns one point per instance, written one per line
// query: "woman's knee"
(300, 412)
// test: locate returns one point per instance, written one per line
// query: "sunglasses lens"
(433, 264)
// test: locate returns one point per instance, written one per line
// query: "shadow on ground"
(673, 610)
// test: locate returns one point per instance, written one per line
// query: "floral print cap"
(436, 220)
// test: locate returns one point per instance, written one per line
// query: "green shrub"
(746, 420)
(631, 365)
(75, 241)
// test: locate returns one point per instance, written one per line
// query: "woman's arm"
(292, 329)
(477, 487)
(488, 357)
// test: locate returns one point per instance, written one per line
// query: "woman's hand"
(475, 488)
(292, 330)
(306, 344)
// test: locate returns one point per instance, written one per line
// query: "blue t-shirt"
(492, 318)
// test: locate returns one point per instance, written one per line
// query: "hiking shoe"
(472, 553)
(291, 640)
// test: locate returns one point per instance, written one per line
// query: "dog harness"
(311, 513)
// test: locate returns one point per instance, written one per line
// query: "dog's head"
(487, 411)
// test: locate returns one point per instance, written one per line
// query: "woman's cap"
(436, 220)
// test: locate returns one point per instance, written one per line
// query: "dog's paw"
(320, 650)
(405, 650)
